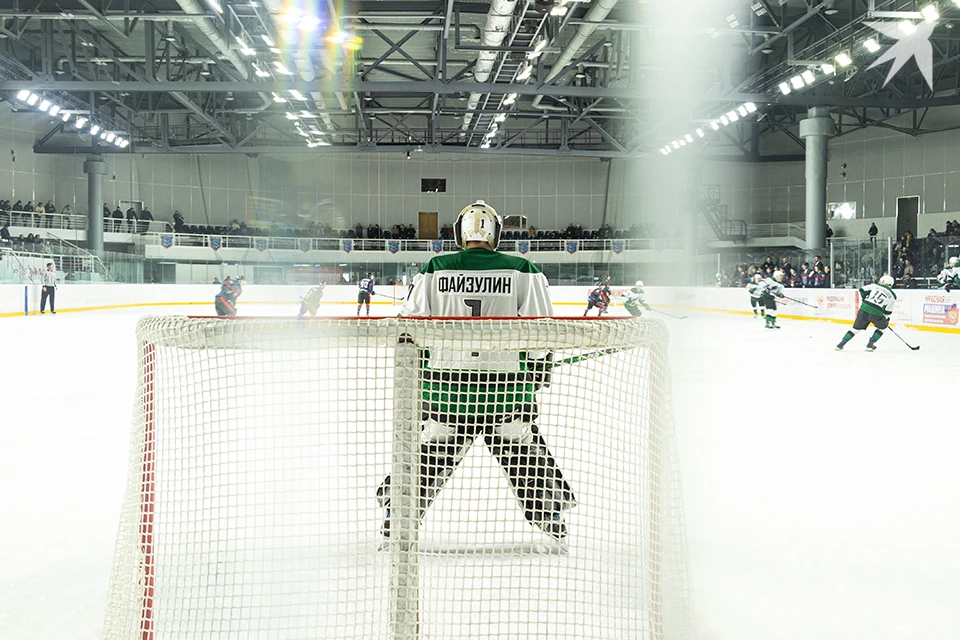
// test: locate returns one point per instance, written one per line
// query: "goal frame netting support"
(135, 581)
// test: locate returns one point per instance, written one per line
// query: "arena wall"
(933, 310)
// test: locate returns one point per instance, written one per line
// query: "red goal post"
(259, 445)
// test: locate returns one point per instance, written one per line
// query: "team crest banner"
(617, 246)
(523, 246)
(215, 242)
(261, 244)
(394, 246)
(348, 246)
(437, 246)
(572, 246)
(304, 245)
(166, 241)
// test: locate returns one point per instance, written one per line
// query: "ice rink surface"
(821, 487)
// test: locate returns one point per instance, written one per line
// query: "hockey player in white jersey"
(479, 282)
(635, 298)
(950, 277)
(770, 290)
(876, 306)
(756, 292)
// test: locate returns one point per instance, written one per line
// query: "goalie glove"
(541, 371)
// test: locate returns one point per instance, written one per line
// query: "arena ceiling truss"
(531, 77)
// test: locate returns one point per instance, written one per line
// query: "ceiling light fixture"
(809, 76)
(930, 13)
(81, 121)
(32, 99)
(54, 110)
(828, 69)
(785, 88)
(871, 45)
(267, 40)
(751, 108)
(23, 95)
(907, 27)
(843, 59)
(215, 6)
(688, 138)
(278, 98)
(279, 66)
(797, 82)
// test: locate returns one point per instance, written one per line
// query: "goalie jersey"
(479, 283)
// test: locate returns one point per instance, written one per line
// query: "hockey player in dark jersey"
(876, 306)
(507, 424)
(366, 292)
(311, 302)
(599, 298)
(226, 301)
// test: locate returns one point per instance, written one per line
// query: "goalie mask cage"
(259, 447)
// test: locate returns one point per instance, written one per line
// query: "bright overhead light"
(683, 143)
(119, 141)
(908, 27)
(537, 48)
(930, 13)
(66, 116)
(742, 110)
(124, 144)
(103, 135)
(278, 98)
(872, 45)
(785, 88)
(291, 115)
(510, 99)
(267, 40)
(111, 137)
(525, 71)
(309, 23)
(80, 122)
(279, 66)
(54, 110)
(808, 76)
(732, 21)
(676, 145)
(32, 99)
(290, 16)
(336, 37)
(260, 73)
(797, 82)
(688, 138)
(715, 125)
(44, 105)
(843, 59)
(733, 116)
(215, 6)
(94, 130)
(751, 108)
(828, 69)
(664, 151)
(724, 120)
(500, 117)
(306, 114)
(275, 50)
(23, 95)
(558, 10)
(700, 132)
(297, 95)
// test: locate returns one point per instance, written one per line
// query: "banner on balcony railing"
(572, 246)
(617, 246)
(166, 241)
(261, 244)
(394, 246)
(215, 242)
(523, 246)
(348, 245)
(437, 246)
(304, 245)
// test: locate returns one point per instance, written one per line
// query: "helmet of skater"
(639, 284)
(778, 275)
(757, 277)
(478, 222)
(953, 261)
(886, 280)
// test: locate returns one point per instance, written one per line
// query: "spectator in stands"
(117, 219)
(819, 278)
(5, 234)
(768, 264)
(106, 210)
(795, 280)
(874, 231)
(131, 220)
(827, 276)
(235, 225)
(67, 210)
(178, 223)
(839, 278)
(785, 265)
(829, 232)
(145, 219)
(39, 210)
(817, 262)
(18, 206)
(48, 210)
(908, 282)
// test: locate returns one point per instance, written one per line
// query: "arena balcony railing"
(266, 243)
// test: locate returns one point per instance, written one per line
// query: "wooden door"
(427, 228)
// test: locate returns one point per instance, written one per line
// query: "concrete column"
(95, 168)
(816, 131)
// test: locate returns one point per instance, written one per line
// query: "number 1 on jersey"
(474, 307)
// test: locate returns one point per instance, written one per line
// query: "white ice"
(821, 489)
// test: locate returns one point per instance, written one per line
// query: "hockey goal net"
(533, 496)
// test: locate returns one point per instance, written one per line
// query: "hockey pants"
(529, 467)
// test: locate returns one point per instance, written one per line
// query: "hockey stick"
(669, 315)
(917, 348)
(390, 297)
(806, 304)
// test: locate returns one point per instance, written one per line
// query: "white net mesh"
(257, 504)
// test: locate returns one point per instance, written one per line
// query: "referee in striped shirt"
(49, 289)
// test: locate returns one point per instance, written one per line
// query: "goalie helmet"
(640, 284)
(478, 222)
(886, 280)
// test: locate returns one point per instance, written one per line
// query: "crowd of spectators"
(135, 222)
(31, 214)
(813, 274)
(31, 243)
(922, 259)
